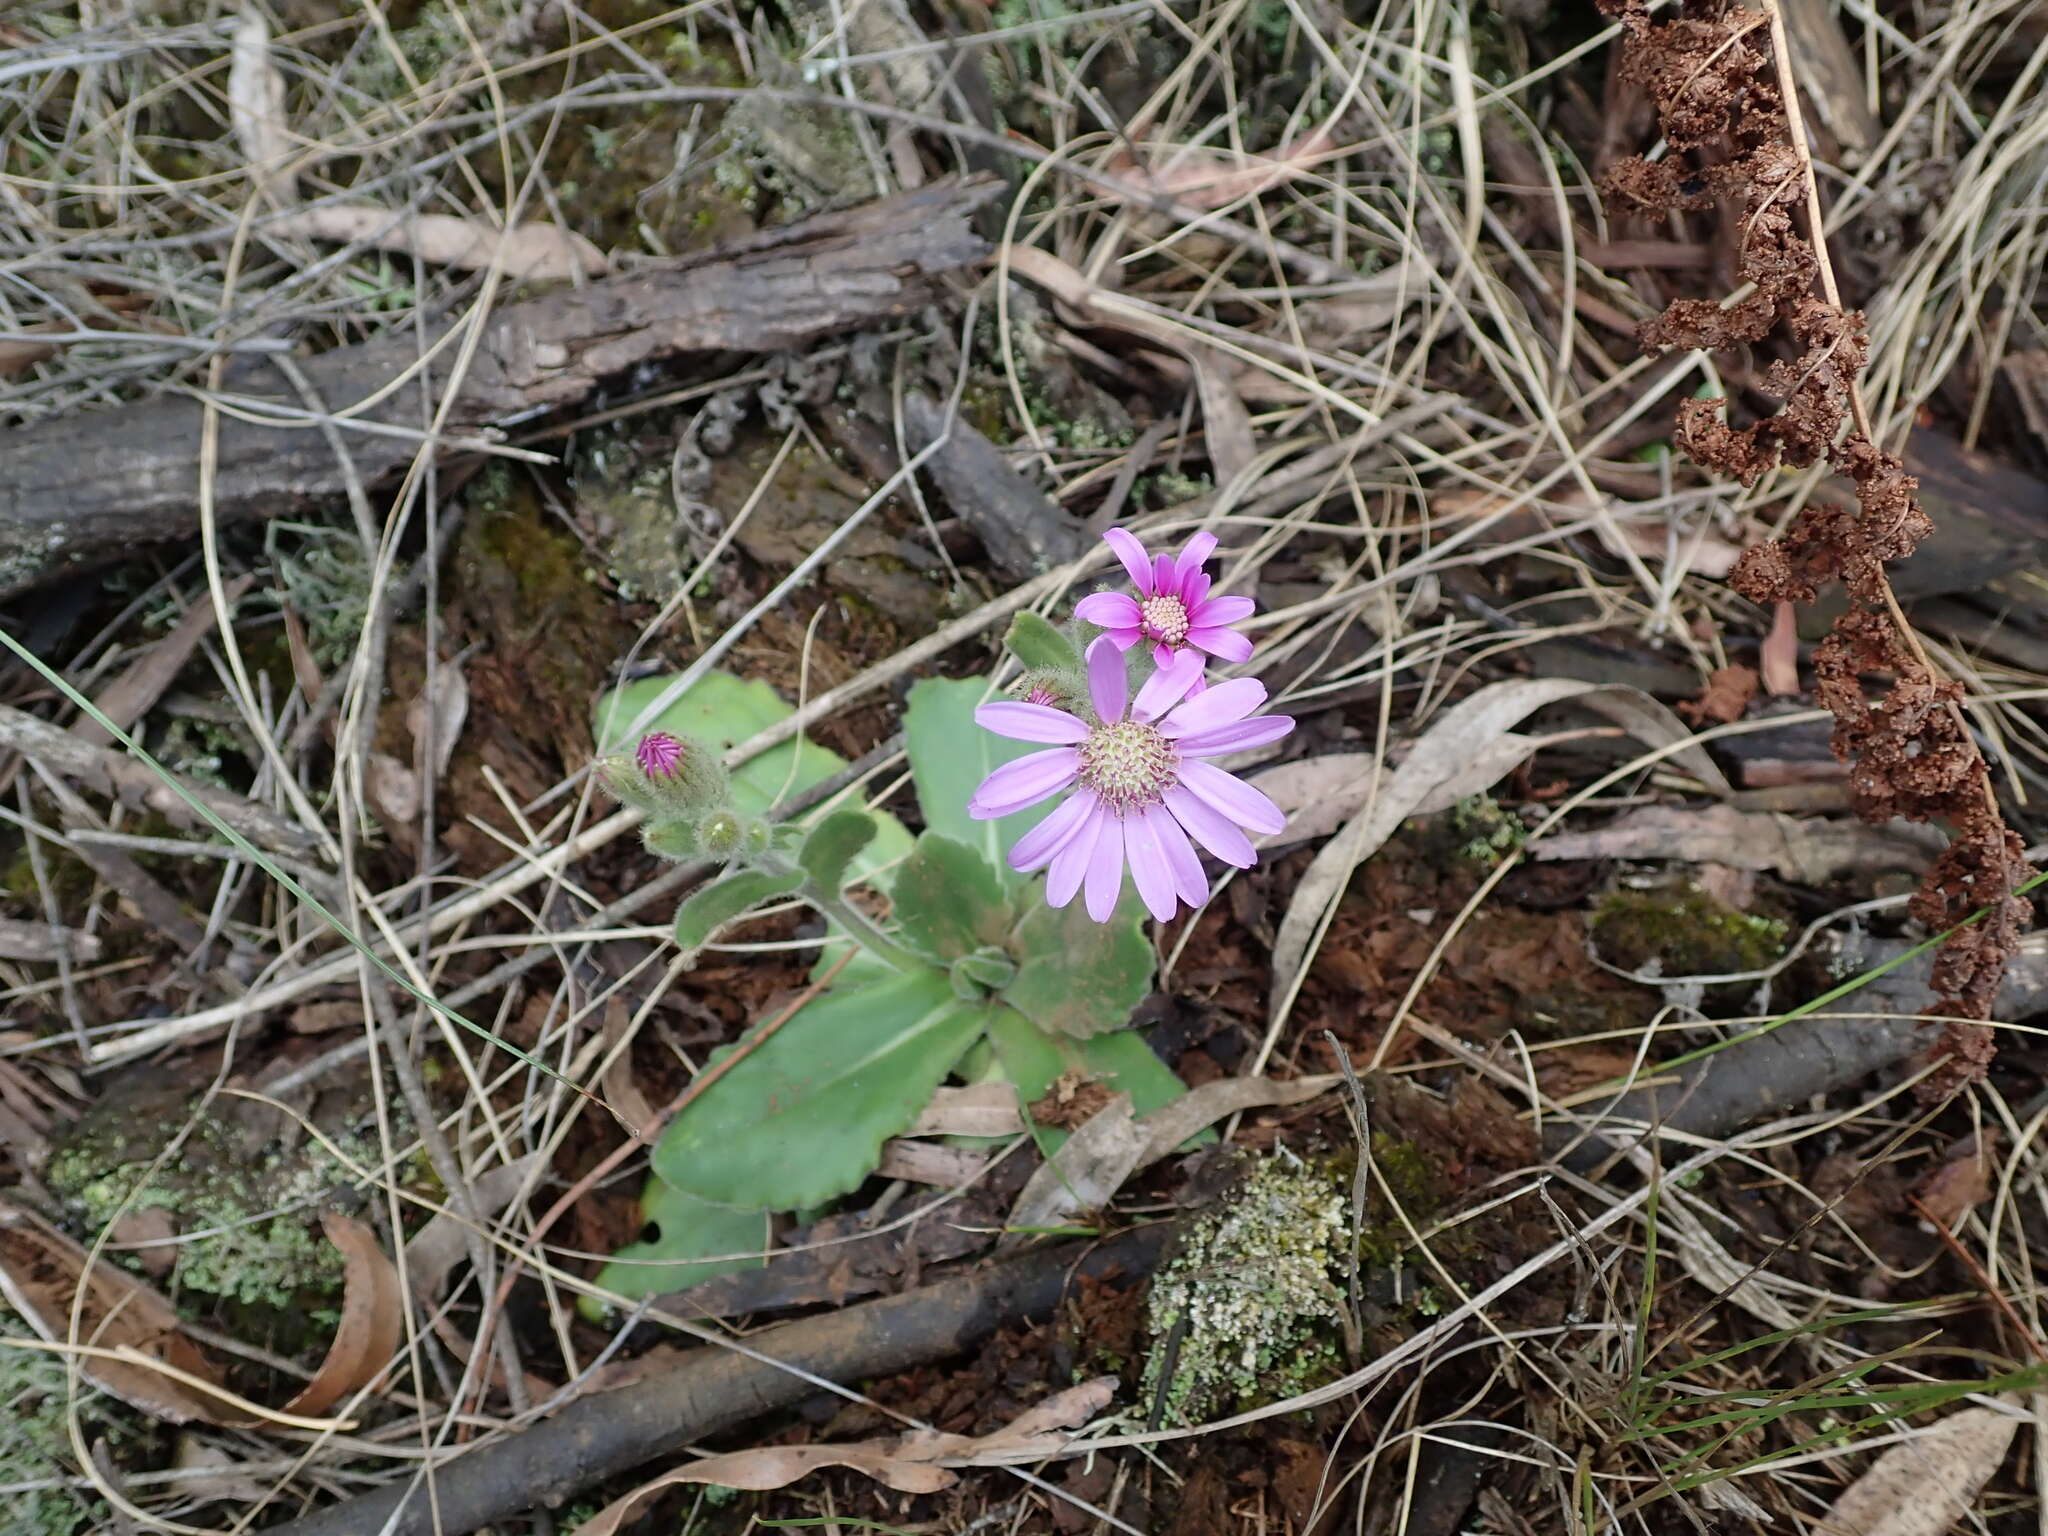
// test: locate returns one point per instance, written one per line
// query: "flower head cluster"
(1141, 790)
(683, 788)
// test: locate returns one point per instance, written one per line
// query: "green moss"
(1684, 932)
(1243, 1314)
(252, 1242)
(1486, 831)
(35, 1444)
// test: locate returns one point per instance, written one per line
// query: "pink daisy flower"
(1141, 787)
(1173, 609)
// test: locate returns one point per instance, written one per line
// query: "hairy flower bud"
(721, 834)
(669, 777)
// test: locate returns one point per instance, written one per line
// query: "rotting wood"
(92, 487)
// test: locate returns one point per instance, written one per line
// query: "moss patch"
(1683, 932)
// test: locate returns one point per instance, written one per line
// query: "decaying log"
(88, 489)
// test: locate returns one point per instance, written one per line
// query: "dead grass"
(1353, 242)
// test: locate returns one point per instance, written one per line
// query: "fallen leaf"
(1778, 658)
(913, 1463)
(219, 1476)
(256, 108)
(1726, 696)
(19, 356)
(130, 696)
(528, 251)
(1210, 178)
(433, 1251)
(435, 718)
(926, 1162)
(1094, 1163)
(1082, 1176)
(1924, 1485)
(372, 1318)
(1804, 852)
(981, 1109)
(1465, 751)
(1959, 1184)
(394, 790)
(148, 1236)
(41, 1273)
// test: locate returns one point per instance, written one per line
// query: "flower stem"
(861, 928)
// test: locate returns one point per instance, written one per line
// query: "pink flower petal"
(1036, 848)
(1063, 878)
(1112, 610)
(1181, 857)
(1162, 575)
(1162, 655)
(1023, 783)
(1030, 722)
(1240, 737)
(1223, 644)
(1167, 687)
(1192, 554)
(1195, 590)
(1133, 555)
(1211, 828)
(1108, 685)
(1220, 705)
(1215, 612)
(1105, 876)
(1246, 806)
(1149, 867)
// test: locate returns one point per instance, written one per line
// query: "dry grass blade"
(256, 105)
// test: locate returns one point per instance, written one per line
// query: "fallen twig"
(717, 1387)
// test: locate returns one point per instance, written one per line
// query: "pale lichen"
(1247, 1310)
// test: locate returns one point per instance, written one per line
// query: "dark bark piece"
(1024, 530)
(90, 488)
(1773, 1074)
(713, 1389)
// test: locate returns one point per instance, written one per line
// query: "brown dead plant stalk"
(1721, 79)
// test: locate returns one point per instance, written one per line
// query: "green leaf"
(975, 976)
(950, 755)
(1122, 1062)
(710, 907)
(723, 711)
(802, 1118)
(1035, 642)
(686, 1240)
(948, 901)
(1076, 976)
(832, 845)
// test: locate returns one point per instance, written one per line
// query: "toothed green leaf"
(710, 907)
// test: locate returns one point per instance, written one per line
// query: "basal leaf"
(1076, 976)
(948, 901)
(710, 907)
(1121, 1061)
(833, 844)
(802, 1117)
(685, 1240)
(950, 755)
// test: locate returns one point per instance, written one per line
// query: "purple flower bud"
(660, 755)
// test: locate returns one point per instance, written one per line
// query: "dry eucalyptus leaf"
(132, 695)
(926, 1162)
(1924, 1485)
(394, 790)
(442, 1243)
(256, 107)
(435, 718)
(41, 1271)
(1805, 852)
(1082, 1176)
(980, 1109)
(372, 1318)
(528, 251)
(912, 1463)
(1466, 750)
